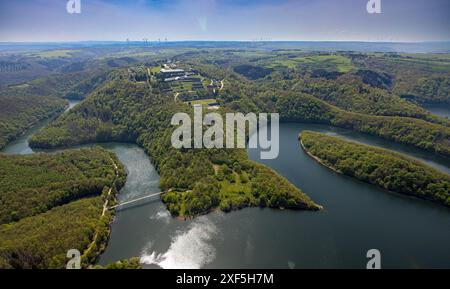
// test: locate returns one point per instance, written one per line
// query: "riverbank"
(65, 192)
(101, 237)
(20, 144)
(442, 110)
(386, 169)
(320, 161)
(24, 130)
(358, 216)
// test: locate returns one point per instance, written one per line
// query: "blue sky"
(309, 20)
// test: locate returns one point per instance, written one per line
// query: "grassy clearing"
(64, 53)
(234, 194)
(229, 189)
(133, 54)
(253, 53)
(155, 69)
(328, 62)
(203, 101)
(21, 86)
(289, 63)
(181, 86)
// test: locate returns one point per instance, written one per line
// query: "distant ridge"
(360, 46)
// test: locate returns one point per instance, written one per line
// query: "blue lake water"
(410, 233)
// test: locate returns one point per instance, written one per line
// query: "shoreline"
(53, 114)
(321, 162)
(96, 248)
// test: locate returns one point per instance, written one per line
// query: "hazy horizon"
(131, 41)
(219, 20)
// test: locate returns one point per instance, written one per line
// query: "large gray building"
(166, 73)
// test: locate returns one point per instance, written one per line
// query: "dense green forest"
(365, 84)
(345, 101)
(422, 78)
(357, 90)
(303, 87)
(35, 183)
(417, 132)
(430, 90)
(18, 113)
(74, 85)
(50, 203)
(42, 241)
(124, 110)
(384, 168)
(22, 106)
(371, 83)
(303, 107)
(350, 93)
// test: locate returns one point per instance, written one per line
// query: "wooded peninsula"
(386, 169)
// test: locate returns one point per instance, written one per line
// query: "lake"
(410, 233)
(441, 110)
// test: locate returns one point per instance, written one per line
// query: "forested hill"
(64, 85)
(373, 83)
(384, 168)
(296, 106)
(349, 93)
(199, 179)
(50, 203)
(422, 78)
(24, 105)
(411, 131)
(318, 88)
(18, 113)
